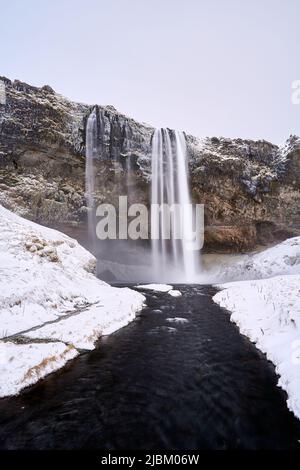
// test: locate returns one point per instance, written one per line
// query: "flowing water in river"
(158, 384)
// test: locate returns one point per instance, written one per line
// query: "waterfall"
(91, 154)
(172, 258)
(129, 259)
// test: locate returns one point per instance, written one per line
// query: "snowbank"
(175, 293)
(118, 307)
(48, 291)
(268, 311)
(160, 288)
(281, 259)
(155, 287)
(25, 364)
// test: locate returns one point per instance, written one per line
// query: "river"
(158, 384)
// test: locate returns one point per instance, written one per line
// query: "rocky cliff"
(250, 188)
(42, 151)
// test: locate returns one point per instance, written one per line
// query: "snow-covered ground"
(155, 287)
(24, 364)
(267, 309)
(160, 288)
(52, 305)
(48, 292)
(281, 259)
(175, 293)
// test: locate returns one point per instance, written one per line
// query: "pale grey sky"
(209, 67)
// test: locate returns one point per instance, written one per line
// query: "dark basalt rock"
(42, 151)
(249, 188)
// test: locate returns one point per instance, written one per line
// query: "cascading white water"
(173, 258)
(91, 153)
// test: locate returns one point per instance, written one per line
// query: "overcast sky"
(209, 67)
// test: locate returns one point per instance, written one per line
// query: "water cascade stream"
(91, 154)
(172, 256)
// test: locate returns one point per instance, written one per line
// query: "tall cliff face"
(250, 188)
(42, 150)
